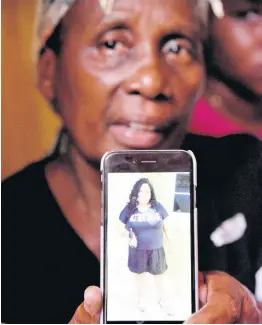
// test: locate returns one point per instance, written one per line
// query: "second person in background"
(233, 100)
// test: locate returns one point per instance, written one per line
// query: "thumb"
(202, 289)
(89, 311)
(224, 300)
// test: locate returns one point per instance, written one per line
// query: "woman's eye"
(114, 47)
(173, 47)
(178, 48)
(110, 45)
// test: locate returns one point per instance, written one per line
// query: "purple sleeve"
(124, 215)
(162, 211)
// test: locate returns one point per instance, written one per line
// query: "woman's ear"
(46, 70)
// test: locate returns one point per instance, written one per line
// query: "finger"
(202, 289)
(223, 301)
(206, 316)
(89, 311)
(251, 312)
(217, 311)
(201, 278)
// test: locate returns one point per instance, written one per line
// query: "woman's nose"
(150, 80)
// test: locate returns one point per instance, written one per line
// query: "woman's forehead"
(50, 12)
(146, 18)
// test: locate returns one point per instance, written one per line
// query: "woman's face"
(144, 194)
(129, 79)
(237, 43)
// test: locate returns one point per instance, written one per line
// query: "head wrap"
(218, 8)
(48, 15)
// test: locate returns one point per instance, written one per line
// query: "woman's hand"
(89, 311)
(132, 241)
(225, 301)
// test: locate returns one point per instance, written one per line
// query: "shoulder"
(158, 205)
(26, 197)
(160, 208)
(219, 158)
(27, 181)
(124, 214)
(241, 144)
(21, 175)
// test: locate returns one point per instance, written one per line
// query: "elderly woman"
(121, 75)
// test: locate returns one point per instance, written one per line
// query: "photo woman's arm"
(124, 232)
(165, 217)
(166, 230)
(122, 228)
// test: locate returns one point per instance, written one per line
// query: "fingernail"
(88, 302)
(86, 307)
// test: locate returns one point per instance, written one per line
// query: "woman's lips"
(136, 135)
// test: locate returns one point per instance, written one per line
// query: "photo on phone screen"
(148, 254)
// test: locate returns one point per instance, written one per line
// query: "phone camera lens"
(129, 159)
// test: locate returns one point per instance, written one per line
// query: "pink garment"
(206, 121)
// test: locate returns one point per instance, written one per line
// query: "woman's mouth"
(138, 135)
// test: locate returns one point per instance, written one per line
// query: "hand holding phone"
(236, 303)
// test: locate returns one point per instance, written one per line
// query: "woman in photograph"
(144, 218)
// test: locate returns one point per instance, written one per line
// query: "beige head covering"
(218, 8)
(48, 15)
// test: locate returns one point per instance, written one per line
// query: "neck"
(143, 205)
(75, 183)
(86, 175)
(236, 101)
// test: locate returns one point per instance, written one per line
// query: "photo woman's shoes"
(165, 306)
(141, 305)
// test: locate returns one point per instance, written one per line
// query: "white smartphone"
(149, 269)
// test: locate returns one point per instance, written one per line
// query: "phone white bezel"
(102, 269)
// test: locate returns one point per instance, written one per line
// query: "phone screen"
(149, 254)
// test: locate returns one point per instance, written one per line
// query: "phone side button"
(196, 257)
(195, 196)
(102, 218)
(195, 218)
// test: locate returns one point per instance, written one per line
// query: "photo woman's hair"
(133, 197)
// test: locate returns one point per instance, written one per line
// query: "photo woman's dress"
(146, 225)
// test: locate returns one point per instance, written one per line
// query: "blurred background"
(28, 125)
